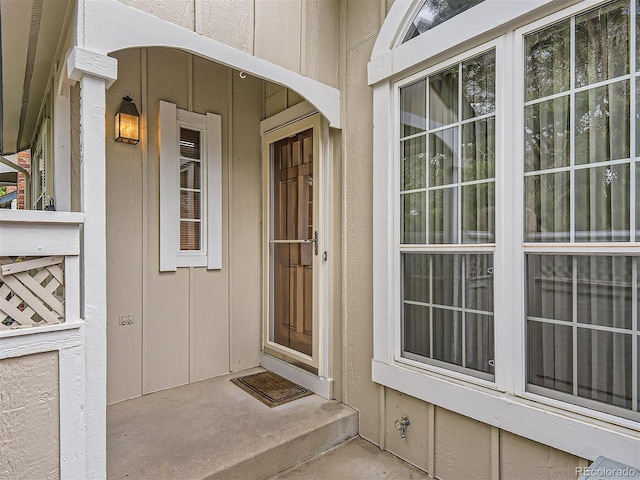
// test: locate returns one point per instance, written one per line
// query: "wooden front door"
(293, 242)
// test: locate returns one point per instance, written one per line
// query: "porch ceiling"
(30, 35)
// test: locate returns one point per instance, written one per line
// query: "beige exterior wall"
(301, 35)
(194, 323)
(30, 417)
(445, 444)
(451, 446)
(361, 21)
(215, 315)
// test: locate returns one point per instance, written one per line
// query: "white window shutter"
(169, 202)
(214, 191)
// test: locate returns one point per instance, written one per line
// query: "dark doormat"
(271, 389)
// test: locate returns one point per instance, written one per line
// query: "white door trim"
(291, 126)
(319, 385)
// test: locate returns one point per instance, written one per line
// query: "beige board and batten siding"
(124, 174)
(316, 49)
(30, 417)
(188, 322)
(453, 447)
(194, 323)
(165, 329)
(300, 35)
(246, 223)
(361, 23)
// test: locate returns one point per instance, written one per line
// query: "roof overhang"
(30, 35)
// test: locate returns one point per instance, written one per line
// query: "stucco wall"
(30, 417)
(194, 323)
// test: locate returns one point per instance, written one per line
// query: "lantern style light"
(127, 122)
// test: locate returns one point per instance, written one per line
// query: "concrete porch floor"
(213, 429)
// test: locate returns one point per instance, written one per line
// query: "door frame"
(283, 129)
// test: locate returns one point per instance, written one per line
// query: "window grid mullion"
(463, 313)
(584, 326)
(428, 165)
(191, 159)
(632, 131)
(572, 129)
(413, 136)
(430, 306)
(584, 166)
(590, 86)
(458, 162)
(574, 328)
(468, 310)
(634, 336)
(592, 201)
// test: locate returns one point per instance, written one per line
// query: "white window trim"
(504, 403)
(391, 57)
(171, 258)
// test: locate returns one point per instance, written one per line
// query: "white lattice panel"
(31, 291)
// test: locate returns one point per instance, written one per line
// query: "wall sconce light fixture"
(127, 121)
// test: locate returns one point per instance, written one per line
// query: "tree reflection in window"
(435, 12)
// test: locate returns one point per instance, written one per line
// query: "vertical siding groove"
(144, 115)
(431, 441)
(495, 453)
(383, 417)
(230, 330)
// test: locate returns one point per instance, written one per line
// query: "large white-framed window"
(560, 251)
(581, 239)
(447, 199)
(190, 189)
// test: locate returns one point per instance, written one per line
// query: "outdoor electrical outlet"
(125, 320)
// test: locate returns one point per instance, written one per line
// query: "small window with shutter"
(190, 189)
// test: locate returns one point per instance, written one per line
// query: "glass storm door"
(292, 243)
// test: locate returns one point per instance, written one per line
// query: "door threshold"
(318, 385)
(268, 350)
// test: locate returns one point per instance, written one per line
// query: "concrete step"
(214, 430)
(354, 459)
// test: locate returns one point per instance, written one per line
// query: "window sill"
(191, 261)
(572, 432)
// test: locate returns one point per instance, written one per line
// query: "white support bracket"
(82, 62)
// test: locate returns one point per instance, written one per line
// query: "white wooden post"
(62, 155)
(95, 72)
(94, 270)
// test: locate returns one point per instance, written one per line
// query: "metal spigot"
(402, 425)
